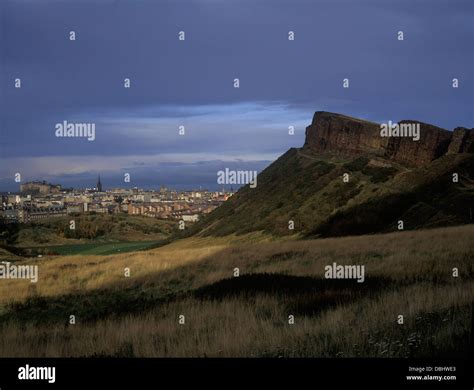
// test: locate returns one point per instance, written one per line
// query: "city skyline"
(124, 186)
(62, 189)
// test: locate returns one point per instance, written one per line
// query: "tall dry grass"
(418, 266)
(428, 254)
(238, 328)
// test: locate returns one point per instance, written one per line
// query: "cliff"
(339, 134)
(462, 141)
(306, 185)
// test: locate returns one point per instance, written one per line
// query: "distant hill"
(388, 180)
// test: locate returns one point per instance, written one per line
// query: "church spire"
(99, 184)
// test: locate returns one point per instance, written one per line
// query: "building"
(75, 208)
(37, 213)
(13, 199)
(12, 215)
(39, 187)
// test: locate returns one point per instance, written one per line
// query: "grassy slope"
(6, 255)
(407, 273)
(309, 190)
(98, 232)
(101, 248)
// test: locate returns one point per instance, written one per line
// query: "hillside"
(384, 184)
(93, 233)
(407, 273)
(6, 255)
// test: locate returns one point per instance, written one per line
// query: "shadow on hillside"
(302, 295)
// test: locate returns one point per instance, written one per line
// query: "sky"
(190, 83)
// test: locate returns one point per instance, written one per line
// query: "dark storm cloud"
(190, 82)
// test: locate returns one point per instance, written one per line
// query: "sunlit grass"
(417, 266)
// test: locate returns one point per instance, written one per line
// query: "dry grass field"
(406, 273)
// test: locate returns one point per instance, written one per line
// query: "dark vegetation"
(310, 191)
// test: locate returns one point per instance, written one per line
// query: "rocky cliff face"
(462, 141)
(433, 143)
(340, 134)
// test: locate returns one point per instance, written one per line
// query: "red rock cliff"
(340, 134)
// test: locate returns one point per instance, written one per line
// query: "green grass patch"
(98, 248)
